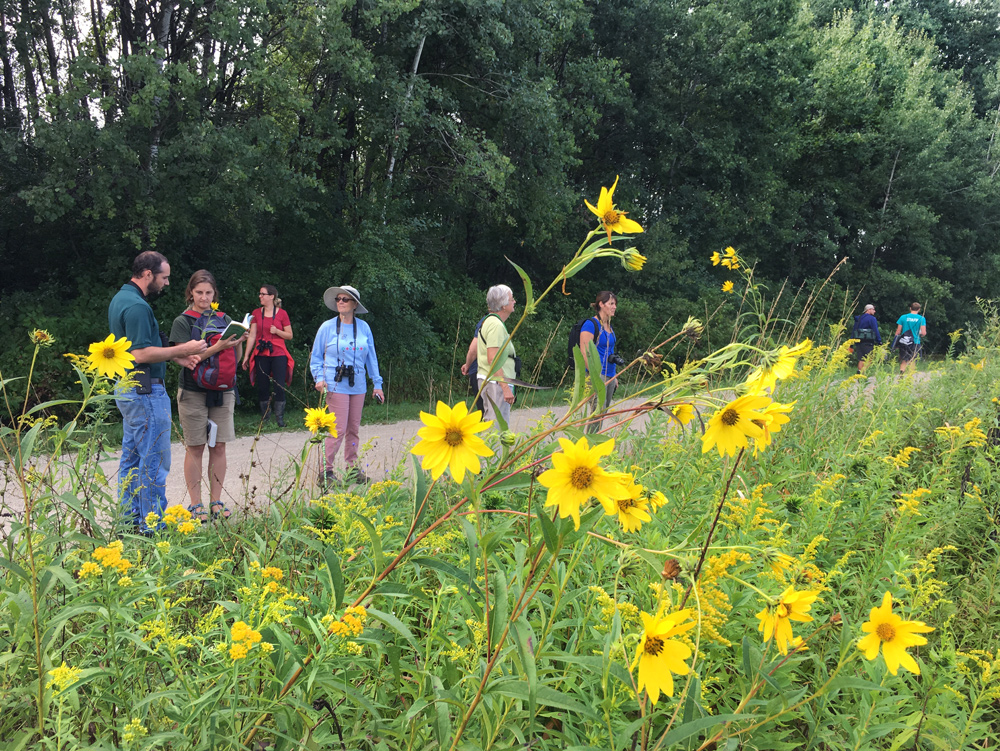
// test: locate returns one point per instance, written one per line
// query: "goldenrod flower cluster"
(134, 730)
(174, 516)
(982, 667)
(109, 557)
(352, 623)
(902, 459)
(713, 602)
(64, 676)
(909, 502)
(244, 639)
(627, 612)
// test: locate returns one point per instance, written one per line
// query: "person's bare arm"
(146, 355)
(471, 355)
(251, 340)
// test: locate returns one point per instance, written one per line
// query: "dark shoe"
(279, 413)
(355, 475)
(326, 479)
(265, 412)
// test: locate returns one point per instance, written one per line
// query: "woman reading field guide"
(206, 395)
(343, 357)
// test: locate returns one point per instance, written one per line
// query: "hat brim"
(330, 298)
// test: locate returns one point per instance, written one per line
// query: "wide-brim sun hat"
(330, 298)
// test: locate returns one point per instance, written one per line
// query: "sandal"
(224, 513)
(198, 512)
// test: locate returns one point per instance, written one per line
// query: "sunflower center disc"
(453, 437)
(110, 354)
(611, 217)
(581, 478)
(624, 504)
(654, 645)
(885, 632)
(730, 417)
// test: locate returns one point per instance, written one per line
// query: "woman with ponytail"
(267, 354)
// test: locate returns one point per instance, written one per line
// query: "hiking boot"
(279, 413)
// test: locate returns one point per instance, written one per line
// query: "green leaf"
(375, 540)
(579, 376)
(396, 625)
(524, 640)
(596, 380)
(548, 697)
(688, 729)
(529, 296)
(549, 533)
(446, 568)
(27, 446)
(419, 493)
(442, 720)
(334, 577)
(500, 611)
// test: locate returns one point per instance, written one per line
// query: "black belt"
(156, 380)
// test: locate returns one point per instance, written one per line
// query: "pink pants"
(347, 408)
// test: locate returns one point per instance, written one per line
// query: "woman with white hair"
(498, 394)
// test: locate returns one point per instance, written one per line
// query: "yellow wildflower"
(775, 619)
(887, 630)
(577, 476)
(611, 219)
(110, 357)
(658, 655)
(64, 676)
(448, 440)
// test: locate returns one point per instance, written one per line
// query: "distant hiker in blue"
(909, 329)
(867, 333)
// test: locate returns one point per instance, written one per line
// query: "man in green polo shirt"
(145, 462)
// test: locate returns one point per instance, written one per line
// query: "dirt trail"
(259, 466)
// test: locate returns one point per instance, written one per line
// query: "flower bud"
(508, 438)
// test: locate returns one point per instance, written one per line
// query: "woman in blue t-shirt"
(598, 330)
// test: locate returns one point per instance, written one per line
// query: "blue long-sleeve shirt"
(330, 350)
(866, 321)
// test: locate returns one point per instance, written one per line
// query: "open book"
(238, 328)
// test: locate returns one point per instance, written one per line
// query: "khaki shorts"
(194, 416)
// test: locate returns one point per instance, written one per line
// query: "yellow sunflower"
(779, 368)
(613, 220)
(630, 503)
(775, 620)
(577, 476)
(727, 287)
(684, 413)
(632, 260)
(42, 338)
(730, 259)
(894, 635)
(731, 425)
(775, 415)
(658, 655)
(319, 419)
(111, 358)
(449, 441)
(716, 258)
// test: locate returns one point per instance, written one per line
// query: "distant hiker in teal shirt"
(909, 329)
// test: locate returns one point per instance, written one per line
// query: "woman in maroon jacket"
(267, 354)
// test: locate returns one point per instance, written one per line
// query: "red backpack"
(218, 372)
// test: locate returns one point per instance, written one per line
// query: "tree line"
(410, 147)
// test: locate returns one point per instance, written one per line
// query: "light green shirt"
(493, 334)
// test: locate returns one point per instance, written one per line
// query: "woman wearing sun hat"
(343, 358)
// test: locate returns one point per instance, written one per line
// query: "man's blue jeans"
(145, 463)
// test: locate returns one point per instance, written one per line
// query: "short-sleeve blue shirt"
(605, 343)
(129, 315)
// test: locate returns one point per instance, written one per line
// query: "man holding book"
(145, 407)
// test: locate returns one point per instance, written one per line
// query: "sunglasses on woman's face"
(344, 299)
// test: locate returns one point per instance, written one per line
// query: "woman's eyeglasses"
(341, 298)
(263, 294)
